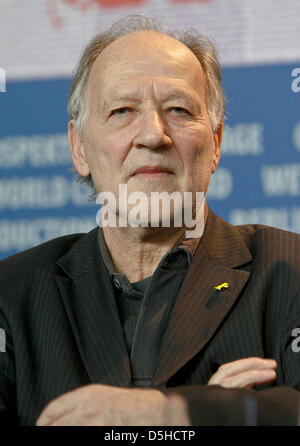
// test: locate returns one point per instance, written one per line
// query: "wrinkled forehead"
(145, 43)
(145, 53)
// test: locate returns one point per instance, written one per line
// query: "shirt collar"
(189, 245)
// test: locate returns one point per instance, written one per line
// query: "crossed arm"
(101, 405)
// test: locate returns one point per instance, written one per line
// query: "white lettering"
(2, 341)
(283, 179)
(22, 234)
(296, 82)
(141, 210)
(36, 151)
(296, 136)
(296, 342)
(165, 199)
(267, 216)
(282, 217)
(40, 193)
(221, 184)
(2, 81)
(243, 139)
(107, 209)
(159, 206)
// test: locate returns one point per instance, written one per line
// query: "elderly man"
(142, 324)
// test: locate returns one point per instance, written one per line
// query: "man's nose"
(152, 133)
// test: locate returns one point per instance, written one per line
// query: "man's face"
(146, 106)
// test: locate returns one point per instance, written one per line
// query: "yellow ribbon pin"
(223, 285)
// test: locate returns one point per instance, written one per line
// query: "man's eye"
(120, 111)
(179, 110)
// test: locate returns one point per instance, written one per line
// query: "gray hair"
(201, 46)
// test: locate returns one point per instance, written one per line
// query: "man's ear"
(217, 146)
(77, 150)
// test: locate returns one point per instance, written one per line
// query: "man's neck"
(136, 252)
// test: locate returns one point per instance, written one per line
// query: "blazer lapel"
(200, 308)
(90, 304)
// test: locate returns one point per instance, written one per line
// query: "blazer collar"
(200, 308)
(198, 312)
(90, 304)
(224, 243)
(81, 257)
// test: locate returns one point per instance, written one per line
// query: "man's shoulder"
(264, 243)
(269, 241)
(43, 256)
(252, 233)
(265, 232)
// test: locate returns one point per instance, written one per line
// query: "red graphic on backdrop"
(192, 1)
(83, 5)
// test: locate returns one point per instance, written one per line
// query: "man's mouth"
(152, 172)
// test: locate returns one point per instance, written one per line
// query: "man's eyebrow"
(114, 99)
(181, 94)
(108, 103)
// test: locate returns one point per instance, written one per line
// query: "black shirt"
(144, 306)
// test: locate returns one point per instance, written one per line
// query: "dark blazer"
(63, 330)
